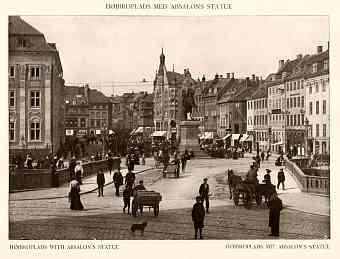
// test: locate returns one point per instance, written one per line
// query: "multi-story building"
(198, 111)
(36, 90)
(100, 112)
(143, 110)
(258, 104)
(317, 102)
(210, 99)
(169, 87)
(76, 111)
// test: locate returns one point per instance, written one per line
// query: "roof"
(18, 26)
(96, 96)
(260, 92)
(73, 90)
(245, 92)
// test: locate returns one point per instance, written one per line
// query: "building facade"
(36, 90)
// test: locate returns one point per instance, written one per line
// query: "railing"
(307, 183)
(20, 179)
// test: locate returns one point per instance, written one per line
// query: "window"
(22, 43)
(11, 131)
(315, 68)
(35, 99)
(294, 119)
(317, 107)
(290, 86)
(11, 100)
(317, 130)
(302, 101)
(298, 119)
(310, 108)
(325, 64)
(310, 90)
(82, 122)
(98, 123)
(287, 103)
(301, 84)
(294, 101)
(294, 87)
(316, 87)
(92, 123)
(35, 131)
(287, 120)
(324, 127)
(298, 101)
(323, 84)
(11, 72)
(35, 72)
(298, 85)
(324, 109)
(302, 119)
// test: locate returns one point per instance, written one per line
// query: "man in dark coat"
(109, 161)
(100, 183)
(71, 166)
(281, 179)
(198, 215)
(117, 180)
(126, 198)
(130, 179)
(204, 193)
(275, 207)
(262, 156)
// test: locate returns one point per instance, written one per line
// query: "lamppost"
(307, 126)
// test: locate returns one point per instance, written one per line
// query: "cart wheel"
(156, 210)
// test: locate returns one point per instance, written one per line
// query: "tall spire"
(162, 58)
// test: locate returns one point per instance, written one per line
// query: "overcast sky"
(125, 49)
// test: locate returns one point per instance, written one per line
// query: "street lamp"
(307, 126)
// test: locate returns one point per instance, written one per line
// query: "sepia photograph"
(169, 127)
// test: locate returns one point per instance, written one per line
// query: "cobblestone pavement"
(103, 217)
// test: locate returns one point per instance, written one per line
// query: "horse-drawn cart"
(149, 199)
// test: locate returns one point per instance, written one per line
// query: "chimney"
(247, 82)
(299, 56)
(319, 49)
(216, 76)
(232, 75)
(257, 80)
(228, 75)
(253, 77)
(281, 63)
(221, 76)
(203, 78)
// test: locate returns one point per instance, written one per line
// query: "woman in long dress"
(74, 196)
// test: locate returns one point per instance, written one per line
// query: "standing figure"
(109, 161)
(275, 207)
(117, 180)
(126, 198)
(281, 179)
(198, 215)
(74, 196)
(100, 183)
(204, 193)
(29, 161)
(184, 161)
(130, 179)
(72, 166)
(262, 156)
(79, 172)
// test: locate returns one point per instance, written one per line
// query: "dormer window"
(315, 68)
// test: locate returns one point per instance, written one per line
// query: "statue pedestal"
(189, 138)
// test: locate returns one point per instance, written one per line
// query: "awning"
(235, 136)
(244, 137)
(277, 143)
(139, 130)
(225, 137)
(160, 133)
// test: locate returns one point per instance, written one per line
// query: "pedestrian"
(275, 207)
(29, 161)
(72, 166)
(126, 198)
(183, 162)
(281, 179)
(100, 183)
(79, 172)
(268, 155)
(140, 186)
(143, 159)
(74, 195)
(130, 179)
(266, 178)
(262, 156)
(204, 193)
(117, 180)
(198, 215)
(109, 161)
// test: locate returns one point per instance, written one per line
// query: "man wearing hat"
(281, 179)
(266, 178)
(204, 193)
(198, 215)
